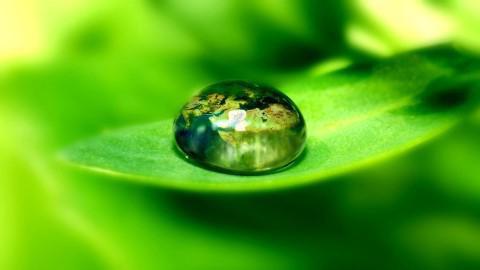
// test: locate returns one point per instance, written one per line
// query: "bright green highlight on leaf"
(354, 117)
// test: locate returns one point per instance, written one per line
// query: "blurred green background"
(70, 69)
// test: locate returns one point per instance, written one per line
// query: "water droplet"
(240, 127)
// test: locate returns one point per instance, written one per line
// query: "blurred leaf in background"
(71, 69)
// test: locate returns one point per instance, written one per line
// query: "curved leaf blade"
(354, 117)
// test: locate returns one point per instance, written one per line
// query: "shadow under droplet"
(193, 162)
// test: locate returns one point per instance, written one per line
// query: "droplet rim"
(299, 155)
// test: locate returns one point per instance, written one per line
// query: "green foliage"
(354, 117)
(75, 68)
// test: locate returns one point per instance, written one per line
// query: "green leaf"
(355, 117)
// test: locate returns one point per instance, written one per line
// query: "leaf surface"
(354, 117)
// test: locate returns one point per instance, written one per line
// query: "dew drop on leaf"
(240, 127)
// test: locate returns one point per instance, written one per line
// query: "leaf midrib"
(333, 127)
